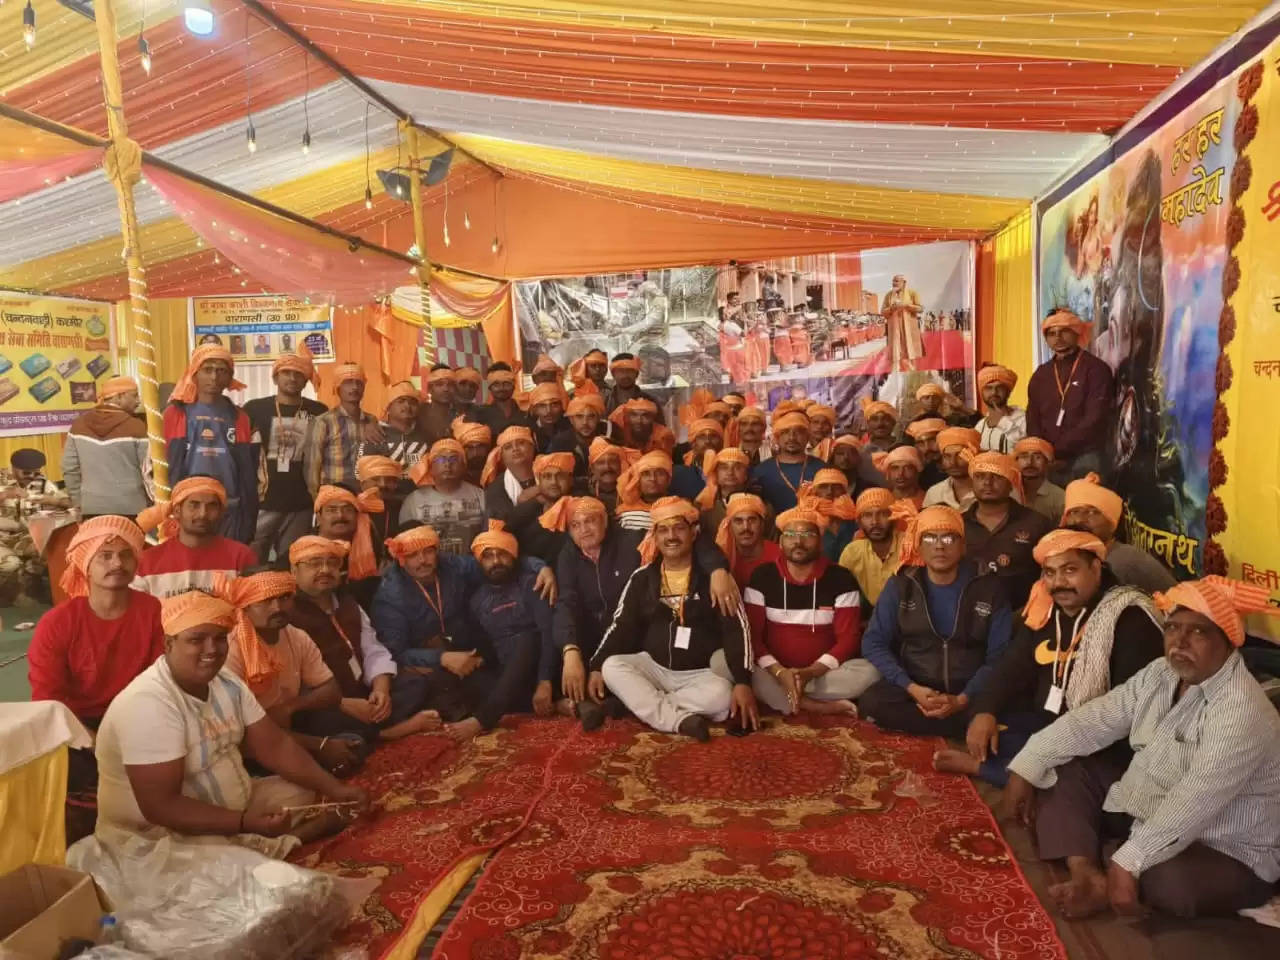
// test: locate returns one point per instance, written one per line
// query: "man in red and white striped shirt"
(806, 626)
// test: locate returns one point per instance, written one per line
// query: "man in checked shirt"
(1196, 806)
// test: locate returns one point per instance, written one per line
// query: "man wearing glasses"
(443, 499)
(935, 633)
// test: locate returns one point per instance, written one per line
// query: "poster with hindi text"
(258, 329)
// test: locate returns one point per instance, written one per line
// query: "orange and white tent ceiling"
(823, 125)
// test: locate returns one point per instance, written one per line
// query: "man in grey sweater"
(105, 463)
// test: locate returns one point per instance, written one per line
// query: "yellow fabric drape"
(1015, 328)
(31, 808)
(169, 328)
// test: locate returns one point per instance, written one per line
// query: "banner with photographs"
(831, 327)
(1140, 248)
(260, 329)
(54, 351)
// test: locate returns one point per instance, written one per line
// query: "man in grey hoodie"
(105, 463)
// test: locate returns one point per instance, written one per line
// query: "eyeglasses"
(939, 539)
(446, 461)
(799, 535)
(322, 563)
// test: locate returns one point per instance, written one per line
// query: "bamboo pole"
(420, 238)
(123, 163)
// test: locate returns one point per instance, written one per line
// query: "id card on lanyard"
(354, 662)
(1064, 390)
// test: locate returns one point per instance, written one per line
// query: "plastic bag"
(197, 899)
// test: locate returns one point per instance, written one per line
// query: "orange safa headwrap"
(619, 415)
(820, 411)
(553, 463)
(871, 407)
(935, 519)
(1001, 464)
(704, 425)
(494, 460)
(711, 459)
(376, 465)
(584, 401)
(500, 376)
(558, 515)
(116, 386)
(667, 508)
(1088, 491)
(1034, 445)
(88, 540)
(312, 547)
(696, 408)
(1040, 603)
(600, 447)
(468, 433)
(791, 420)
(261, 661)
(805, 511)
(193, 609)
(412, 541)
(625, 363)
(903, 454)
(959, 437)
(363, 563)
(495, 538)
(629, 481)
(444, 374)
(739, 504)
(1065, 318)
(299, 361)
(184, 390)
(930, 390)
(546, 393)
(468, 375)
(420, 472)
(752, 413)
(995, 373)
(398, 391)
(1223, 601)
(160, 516)
(920, 429)
(545, 365)
(875, 498)
(347, 371)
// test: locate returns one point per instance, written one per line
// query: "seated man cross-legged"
(169, 749)
(656, 655)
(1196, 811)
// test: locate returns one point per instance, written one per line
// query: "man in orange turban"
(105, 461)
(187, 721)
(639, 427)
(957, 446)
(606, 462)
(403, 440)
(477, 442)
(706, 437)
(727, 472)
(625, 368)
(1082, 635)
(882, 421)
(828, 493)
(436, 415)
(781, 476)
(937, 630)
(546, 370)
(585, 415)
(342, 515)
(444, 500)
(466, 389)
(592, 367)
(553, 475)
(207, 434)
(1035, 457)
(874, 554)
(741, 535)
(930, 396)
(751, 424)
(657, 654)
(1087, 505)
(336, 438)
(643, 484)
(192, 550)
(89, 647)
(1195, 807)
(1004, 425)
(902, 467)
(1000, 531)
(376, 472)
(924, 434)
(1070, 398)
(547, 404)
(822, 423)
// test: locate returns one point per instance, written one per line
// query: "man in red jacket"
(805, 624)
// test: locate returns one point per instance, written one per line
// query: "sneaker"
(695, 725)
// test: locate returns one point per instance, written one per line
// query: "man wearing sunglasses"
(935, 633)
(444, 500)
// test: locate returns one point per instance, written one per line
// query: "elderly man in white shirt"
(1197, 808)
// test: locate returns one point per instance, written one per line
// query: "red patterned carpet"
(809, 841)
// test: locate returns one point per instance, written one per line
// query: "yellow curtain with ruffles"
(1015, 329)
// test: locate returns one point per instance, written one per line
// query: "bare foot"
(828, 706)
(322, 824)
(423, 721)
(955, 761)
(463, 730)
(1081, 896)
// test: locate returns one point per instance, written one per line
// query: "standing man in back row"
(105, 461)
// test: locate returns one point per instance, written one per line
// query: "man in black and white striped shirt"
(1197, 808)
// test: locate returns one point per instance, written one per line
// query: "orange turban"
(787, 406)
(545, 365)
(718, 406)
(805, 511)
(994, 373)
(116, 386)
(1034, 445)
(299, 362)
(704, 425)
(790, 421)
(739, 504)
(261, 662)
(161, 515)
(751, 413)
(420, 472)
(872, 407)
(667, 508)
(625, 363)
(311, 547)
(364, 563)
(734, 402)
(192, 609)
(494, 461)
(376, 465)
(184, 391)
(1001, 464)
(558, 515)
(553, 463)
(1088, 491)
(935, 519)
(1222, 600)
(500, 376)
(546, 393)
(412, 541)
(696, 408)
(468, 375)
(1065, 318)
(903, 454)
(619, 415)
(930, 390)
(444, 374)
(711, 459)
(495, 538)
(831, 475)
(827, 448)
(88, 540)
(468, 433)
(399, 391)
(1040, 603)
(629, 482)
(583, 401)
(959, 437)
(601, 447)
(920, 429)
(875, 498)
(347, 371)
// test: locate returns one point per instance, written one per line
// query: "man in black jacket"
(655, 656)
(1000, 533)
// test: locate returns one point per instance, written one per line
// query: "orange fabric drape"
(985, 296)
(354, 342)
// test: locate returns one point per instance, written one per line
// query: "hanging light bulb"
(494, 246)
(306, 141)
(144, 54)
(466, 220)
(29, 25)
(251, 137)
(446, 234)
(368, 197)
(198, 17)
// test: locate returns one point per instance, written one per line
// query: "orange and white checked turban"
(363, 563)
(88, 540)
(553, 463)
(629, 481)
(558, 515)
(411, 541)
(711, 459)
(312, 547)
(261, 662)
(995, 373)
(1065, 318)
(193, 609)
(738, 505)
(667, 508)
(1040, 603)
(1034, 445)
(872, 407)
(875, 498)
(495, 538)
(1223, 601)
(299, 361)
(494, 461)
(116, 386)
(468, 433)
(1002, 465)
(376, 465)
(904, 454)
(920, 429)
(1088, 491)
(935, 519)
(184, 390)
(160, 516)
(420, 472)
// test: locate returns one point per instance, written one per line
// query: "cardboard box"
(41, 906)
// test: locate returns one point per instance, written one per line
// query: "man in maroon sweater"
(1069, 399)
(806, 627)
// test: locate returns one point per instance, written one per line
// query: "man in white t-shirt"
(169, 749)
